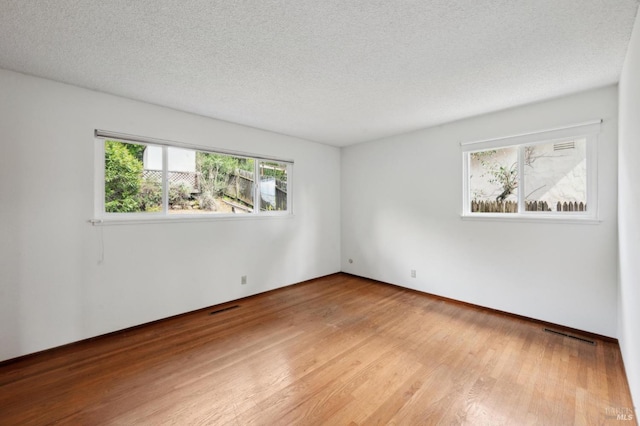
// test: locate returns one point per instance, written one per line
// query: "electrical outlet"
(243, 279)
(413, 273)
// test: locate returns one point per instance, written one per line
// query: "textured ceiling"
(333, 71)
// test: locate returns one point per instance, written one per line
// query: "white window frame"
(103, 217)
(588, 131)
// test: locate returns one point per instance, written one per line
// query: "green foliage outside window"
(150, 196)
(215, 170)
(128, 189)
(122, 178)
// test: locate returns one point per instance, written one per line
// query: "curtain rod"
(554, 129)
(106, 134)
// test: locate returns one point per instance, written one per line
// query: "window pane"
(555, 176)
(128, 188)
(493, 180)
(205, 183)
(273, 186)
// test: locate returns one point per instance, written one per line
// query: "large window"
(549, 174)
(141, 179)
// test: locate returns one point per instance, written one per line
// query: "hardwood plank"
(336, 350)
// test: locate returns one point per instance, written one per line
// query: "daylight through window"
(146, 180)
(548, 174)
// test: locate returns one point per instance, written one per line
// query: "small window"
(273, 186)
(555, 176)
(138, 180)
(493, 180)
(545, 174)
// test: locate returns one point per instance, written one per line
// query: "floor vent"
(228, 308)
(561, 333)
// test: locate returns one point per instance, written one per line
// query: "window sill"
(108, 221)
(514, 217)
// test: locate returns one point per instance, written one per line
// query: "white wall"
(52, 288)
(628, 214)
(401, 205)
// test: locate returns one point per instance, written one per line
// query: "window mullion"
(99, 203)
(165, 180)
(289, 188)
(256, 186)
(521, 194)
(592, 175)
(466, 197)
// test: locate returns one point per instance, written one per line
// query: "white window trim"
(587, 130)
(104, 218)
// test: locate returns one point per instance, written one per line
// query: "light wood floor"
(339, 350)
